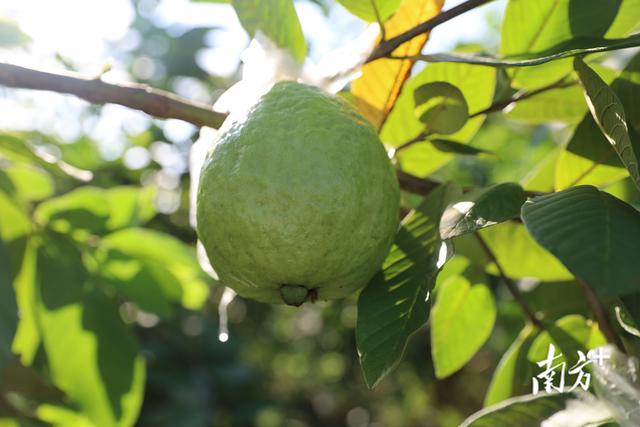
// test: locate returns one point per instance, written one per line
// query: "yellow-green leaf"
(364, 9)
(462, 319)
(376, 90)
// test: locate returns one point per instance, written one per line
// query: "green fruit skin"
(298, 192)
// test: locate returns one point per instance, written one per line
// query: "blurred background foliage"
(89, 243)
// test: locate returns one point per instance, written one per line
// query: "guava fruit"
(298, 200)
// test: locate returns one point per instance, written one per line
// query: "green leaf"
(523, 411)
(91, 354)
(569, 334)
(519, 255)
(462, 320)
(152, 269)
(575, 47)
(589, 159)
(97, 210)
(448, 146)
(14, 221)
(8, 308)
(14, 147)
(553, 300)
(27, 337)
(481, 208)
(82, 153)
(61, 415)
(564, 104)
(608, 112)
(129, 206)
(627, 88)
(477, 85)
(513, 371)
(395, 303)
(441, 107)
(25, 182)
(84, 208)
(536, 27)
(541, 176)
(592, 233)
(364, 9)
(277, 20)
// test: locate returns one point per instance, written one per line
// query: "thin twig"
(600, 314)
(423, 186)
(386, 47)
(521, 96)
(152, 101)
(517, 296)
(420, 137)
(383, 34)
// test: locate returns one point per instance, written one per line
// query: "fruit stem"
(294, 295)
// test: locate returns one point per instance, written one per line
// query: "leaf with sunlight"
(517, 252)
(92, 355)
(153, 269)
(27, 338)
(589, 158)
(97, 210)
(17, 147)
(376, 90)
(563, 103)
(14, 221)
(477, 85)
(396, 303)
(514, 371)
(26, 182)
(530, 27)
(482, 208)
(568, 335)
(462, 319)
(366, 9)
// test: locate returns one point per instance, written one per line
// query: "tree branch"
(418, 138)
(152, 101)
(386, 47)
(517, 296)
(155, 102)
